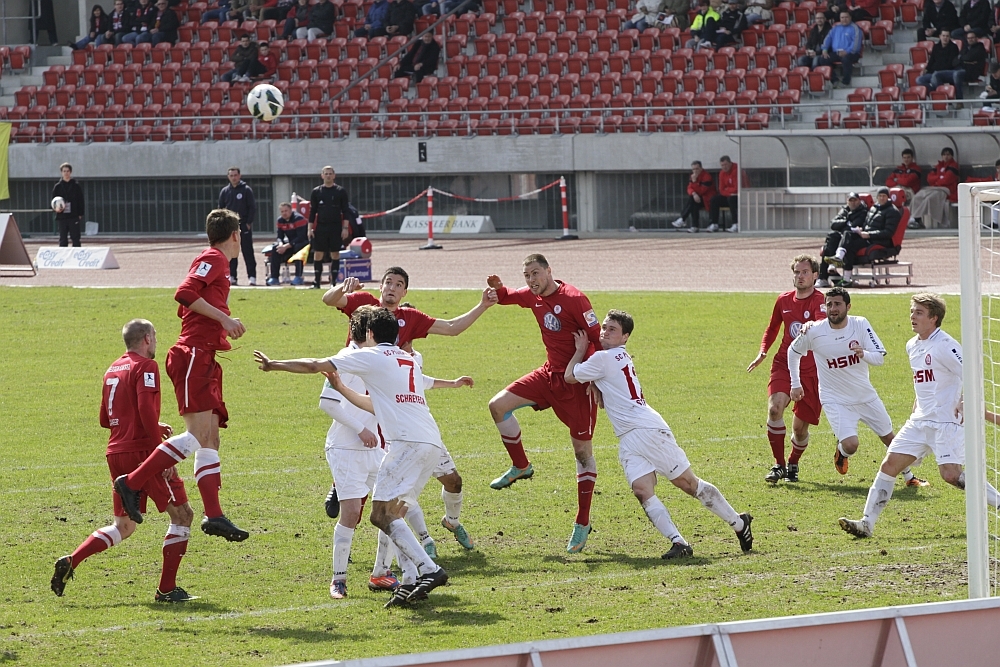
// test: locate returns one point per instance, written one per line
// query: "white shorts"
(844, 418)
(645, 450)
(354, 470)
(405, 470)
(445, 465)
(945, 441)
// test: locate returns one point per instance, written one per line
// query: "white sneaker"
(821, 283)
(693, 230)
(678, 223)
(733, 228)
(253, 282)
(856, 528)
(233, 281)
(712, 228)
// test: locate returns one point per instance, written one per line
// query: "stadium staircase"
(539, 66)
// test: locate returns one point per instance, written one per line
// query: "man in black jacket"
(943, 57)
(879, 228)
(852, 215)
(968, 65)
(293, 236)
(939, 16)
(730, 25)
(814, 44)
(421, 60)
(329, 224)
(321, 19)
(976, 16)
(402, 15)
(238, 197)
(70, 218)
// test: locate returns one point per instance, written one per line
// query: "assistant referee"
(329, 224)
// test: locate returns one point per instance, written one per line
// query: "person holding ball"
(67, 202)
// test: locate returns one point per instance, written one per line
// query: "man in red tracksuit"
(932, 202)
(727, 196)
(700, 189)
(906, 175)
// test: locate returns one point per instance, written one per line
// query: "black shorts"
(326, 239)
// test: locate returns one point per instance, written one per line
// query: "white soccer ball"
(58, 204)
(265, 102)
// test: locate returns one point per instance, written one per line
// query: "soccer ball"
(265, 102)
(58, 204)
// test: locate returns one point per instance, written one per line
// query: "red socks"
(99, 540)
(776, 436)
(207, 473)
(797, 450)
(174, 547)
(586, 480)
(515, 450)
(154, 464)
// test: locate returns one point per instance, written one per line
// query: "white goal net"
(979, 257)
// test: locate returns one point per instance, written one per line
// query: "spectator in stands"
(293, 236)
(906, 176)
(100, 25)
(675, 14)
(972, 62)
(851, 216)
(964, 65)
(297, 19)
(119, 24)
(421, 60)
(436, 7)
(731, 23)
(992, 91)
(863, 10)
(832, 12)
(219, 14)
(276, 12)
(728, 195)
(243, 57)
(238, 10)
(259, 67)
(976, 16)
(324, 13)
(704, 24)
(814, 44)
(71, 217)
(942, 187)
(842, 46)
(375, 20)
(238, 197)
(759, 11)
(700, 189)
(163, 27)
(943, 57)
(879, 228)
(939, 16)
(141, 17)
(645, 15)
(402, 15)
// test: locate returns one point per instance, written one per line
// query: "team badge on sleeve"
(590, 318)
(149, 379)
(203, 269)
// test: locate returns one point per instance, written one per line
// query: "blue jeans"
(82, 44)
(846, 65)
(216, 14)
(955, 77)
(131, 38)
(639, 25)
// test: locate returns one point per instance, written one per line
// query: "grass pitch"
(265, 601)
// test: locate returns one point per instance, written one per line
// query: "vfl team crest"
(795, 329)
(552, 322)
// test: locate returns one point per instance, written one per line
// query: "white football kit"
(396, 388)
(645, 442)
(446, 465)
(845, 389)
(934, 428)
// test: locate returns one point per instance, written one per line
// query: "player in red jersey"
(560, 309)
(197, 378)
(130, 408)
(794, 308)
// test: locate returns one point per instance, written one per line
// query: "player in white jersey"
(844, 346)
(414, 441)
(935, 427)
(646, 444)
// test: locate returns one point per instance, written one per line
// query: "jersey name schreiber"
(843, 376)
(613, 373)
(396, 387)
(937, 377)
(340, 436)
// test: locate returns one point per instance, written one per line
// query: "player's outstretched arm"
(337, 296)
(359, 400)
(464, 381)
(457, 325)
(582, 341)
(234, 328)
(493, 280)
(304, 366)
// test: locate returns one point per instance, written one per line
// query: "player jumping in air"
(793, 309)
(561, 310)
(935, 427)
(197, 378)
(646, 444)
(130, 408)
(844, 346)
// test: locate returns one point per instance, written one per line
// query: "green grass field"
(265, 601)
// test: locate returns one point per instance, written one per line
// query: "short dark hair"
(406, 304)
(536, 258)
(359, 323)
(220, 225)
(263, 44)
(623, 319)
(997, 163)
(908, 151)
(696, 162)
(383, 325)
(135, 331)
(66, 165)
(236, 169)
(839, 291)
(725, 158)
(397, 271)
(948, 150)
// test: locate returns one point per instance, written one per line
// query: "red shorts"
(160, 490)
(809, 408)
(197, 379)
(570, 402)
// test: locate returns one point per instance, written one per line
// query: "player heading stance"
(130, 408)
(197, 378)
(397, 400)
(646, 444)
(844, 346)
(935, 427)
(561, 310)
(793, 309)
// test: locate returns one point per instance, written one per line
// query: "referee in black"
(329, 224)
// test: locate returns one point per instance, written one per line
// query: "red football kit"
(130, 408)
(559, 315)
(413, 324)
(191, 364)
(793, 312)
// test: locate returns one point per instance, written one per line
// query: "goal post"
(979, 260)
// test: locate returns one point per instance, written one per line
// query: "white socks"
(716, 503)
(878, 497)
(509, 428)
(206, 462)
(180, 446)
(841, 253)
(660, 517)
(452, 506)
(175, 534)
(840, 448)
(408, 546)
(383, 555)
(415, 517)
(342, 536)
(110, 535)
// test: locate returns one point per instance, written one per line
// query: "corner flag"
(4, 140)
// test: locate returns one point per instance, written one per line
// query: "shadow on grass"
(907, 493)
(449, 610)
(593, 559)
(183, 608)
